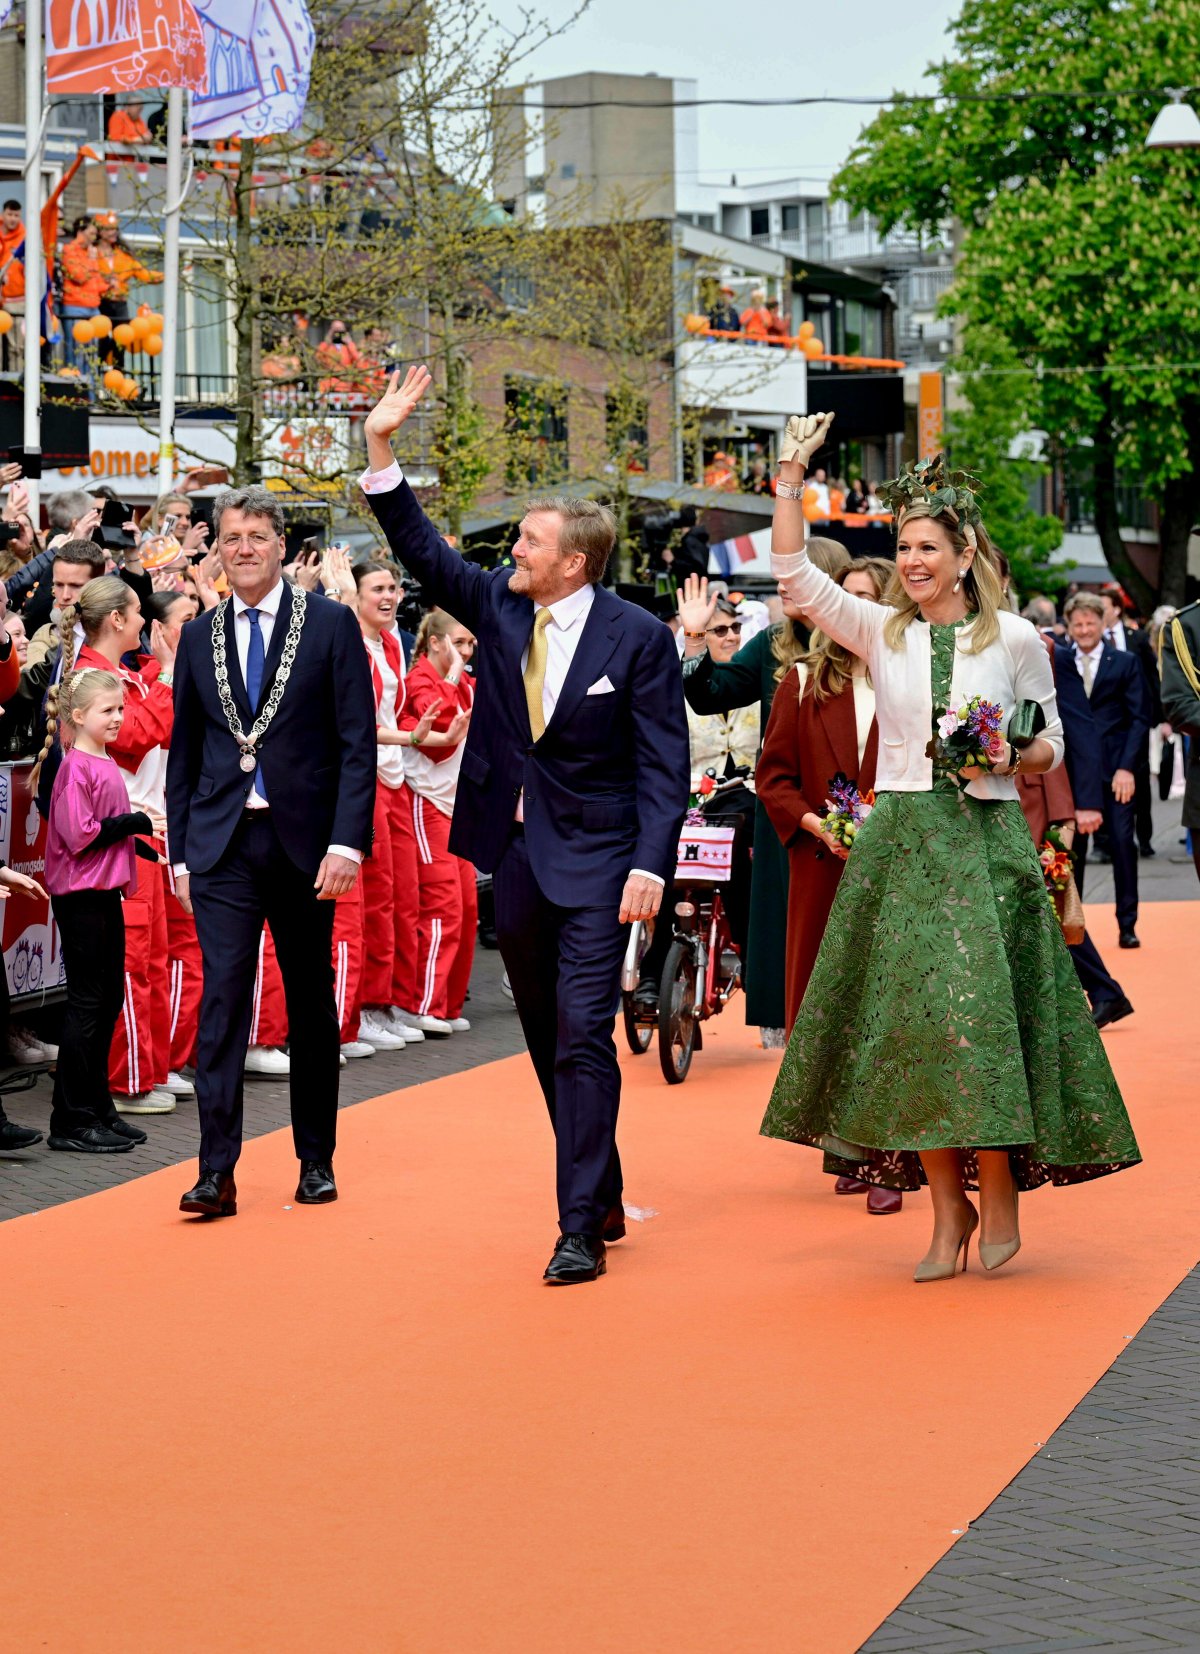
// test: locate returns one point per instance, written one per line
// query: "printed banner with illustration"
(32, 953)
(123, 46)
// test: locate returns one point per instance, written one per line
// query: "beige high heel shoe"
(992, 1256)
(926, 1271)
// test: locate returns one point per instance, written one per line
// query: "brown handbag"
(1070, 912)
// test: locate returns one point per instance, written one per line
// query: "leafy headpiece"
(927, 489)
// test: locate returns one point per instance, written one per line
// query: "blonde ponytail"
(66, 639)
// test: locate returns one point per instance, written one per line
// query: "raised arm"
(445, 575)
(849, 620)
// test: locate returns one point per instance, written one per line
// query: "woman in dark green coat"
(751, 676)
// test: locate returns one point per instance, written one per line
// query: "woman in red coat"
(822, 722)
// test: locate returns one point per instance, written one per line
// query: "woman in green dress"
(944, 1036)
(751, 678)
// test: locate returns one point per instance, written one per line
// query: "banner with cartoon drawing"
(32, 952)
(123, 45)
(259, 62)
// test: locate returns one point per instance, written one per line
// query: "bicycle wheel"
(677, 1014)
(638, 1034)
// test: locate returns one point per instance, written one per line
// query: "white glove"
(805, 433)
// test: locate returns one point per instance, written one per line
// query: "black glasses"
(734, 626)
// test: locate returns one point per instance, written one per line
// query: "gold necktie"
(535, 673)
(1089, 672)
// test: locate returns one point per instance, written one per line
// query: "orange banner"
(929, 415)
(122, 45)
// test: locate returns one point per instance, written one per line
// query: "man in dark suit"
(1082, 762)
(1112, 685)
(270, 790)
(572, 791)
(1135, 641)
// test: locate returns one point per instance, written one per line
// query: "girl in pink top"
(89, 865)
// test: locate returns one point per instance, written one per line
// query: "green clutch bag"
(1027, 722)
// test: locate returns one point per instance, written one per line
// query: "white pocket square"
(602, 686)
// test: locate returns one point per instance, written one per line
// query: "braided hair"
(97, 599)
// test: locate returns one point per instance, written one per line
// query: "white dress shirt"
(1116, 636)
(1089, 654)
(268, 612)
(568, 618)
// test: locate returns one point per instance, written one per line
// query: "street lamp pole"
(36, 111)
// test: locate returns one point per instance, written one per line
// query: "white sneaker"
(341, 1059)
(177, 1086)
(26, 1049)
(459, 1025)
(146, 1102)
(376, 1031)
(435, 1025)
(506, 986)
(267, 1061)
(357, 1048)
(403, 1023)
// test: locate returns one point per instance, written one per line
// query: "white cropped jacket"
(1014, 668)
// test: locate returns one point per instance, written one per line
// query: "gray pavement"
(38, 1178)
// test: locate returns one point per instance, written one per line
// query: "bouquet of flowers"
(845, 810)
(1056, 861)
(970, 734)
(1060, 885)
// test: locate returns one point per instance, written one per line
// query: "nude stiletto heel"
(926, 1271)
(994, 1256)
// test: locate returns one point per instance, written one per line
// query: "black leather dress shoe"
(316, 1185)
(214, 1196)
(1111, 1010)
(1128, 939)
(576, 1258)
(614, 1225)
(123, 1128)
(90, 1140)
(13, 1136)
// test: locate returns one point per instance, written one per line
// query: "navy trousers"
(564, 967)
(1097, 982)
(256, 880)
(1122, 847)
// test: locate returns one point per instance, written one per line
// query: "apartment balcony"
(748, 377)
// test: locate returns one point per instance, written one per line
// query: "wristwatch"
(789, 490)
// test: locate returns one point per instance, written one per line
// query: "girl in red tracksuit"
(439, 683)
(111, 617)
(391, 882)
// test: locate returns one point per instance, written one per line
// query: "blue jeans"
(74, 354)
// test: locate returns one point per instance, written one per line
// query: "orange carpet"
(369, 1426)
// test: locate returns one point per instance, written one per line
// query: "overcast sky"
(738, 50)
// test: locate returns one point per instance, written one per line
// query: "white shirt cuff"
(179, 869)
(381, 482)
(356, 856)
(642, 874)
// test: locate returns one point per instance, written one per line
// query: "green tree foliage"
(1078, 244)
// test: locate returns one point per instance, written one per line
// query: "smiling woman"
(944, 1036)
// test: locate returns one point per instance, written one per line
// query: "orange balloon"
(153, 345)
(806, 330)
(123, 334)
(155, 320)
(101, 327)
(129, 389)
(6, 322)
(140, 327)
(812, 348)
(81, 332)
(113, 379)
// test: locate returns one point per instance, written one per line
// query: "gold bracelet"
(696, 637)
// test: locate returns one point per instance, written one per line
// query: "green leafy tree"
(1078, 244)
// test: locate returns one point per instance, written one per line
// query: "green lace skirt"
(944, 1010)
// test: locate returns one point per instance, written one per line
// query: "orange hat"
(106, 220)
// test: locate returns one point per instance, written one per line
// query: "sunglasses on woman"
(734, 626)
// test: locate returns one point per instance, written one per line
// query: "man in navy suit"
(1112, 685)
(572, 791)
(270, 792)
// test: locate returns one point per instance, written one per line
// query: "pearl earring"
(958, 583)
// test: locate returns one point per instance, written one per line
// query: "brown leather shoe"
(881, 1203)
(850, 1186)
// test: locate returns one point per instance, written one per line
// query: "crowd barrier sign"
(32, 951)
